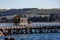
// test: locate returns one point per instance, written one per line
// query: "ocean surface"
(41, 36)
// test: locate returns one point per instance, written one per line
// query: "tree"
(5, 20)
(24, 15)
(16, 19)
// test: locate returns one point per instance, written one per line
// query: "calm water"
(42, 36)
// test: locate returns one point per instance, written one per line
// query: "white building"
(23, 21)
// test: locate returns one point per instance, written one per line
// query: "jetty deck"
(42, 28)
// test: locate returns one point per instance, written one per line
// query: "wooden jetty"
(29, 30)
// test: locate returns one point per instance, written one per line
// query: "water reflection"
(42, 36)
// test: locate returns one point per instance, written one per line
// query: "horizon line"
(28, 8)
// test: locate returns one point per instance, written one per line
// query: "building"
(23, 21)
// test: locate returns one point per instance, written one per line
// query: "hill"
(4, 12)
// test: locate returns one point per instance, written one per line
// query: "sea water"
(41, 36)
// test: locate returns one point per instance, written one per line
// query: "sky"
(19, 4)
